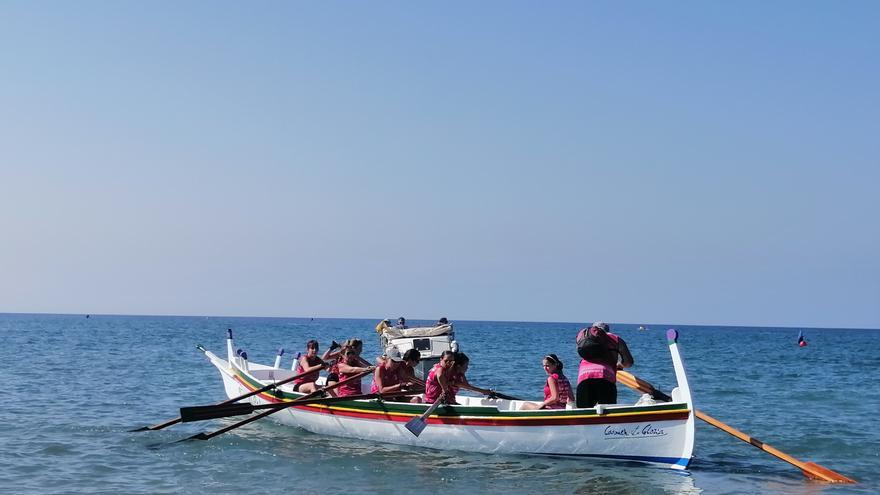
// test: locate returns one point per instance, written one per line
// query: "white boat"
(656, 433)
(431, 342)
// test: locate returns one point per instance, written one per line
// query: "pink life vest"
(432, 386)
(604, 367)
(349, 388)
(563, 392)
(389, 378)
(311, 376)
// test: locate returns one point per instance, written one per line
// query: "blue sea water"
(76, 385)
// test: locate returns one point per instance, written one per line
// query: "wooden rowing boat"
(660, 433)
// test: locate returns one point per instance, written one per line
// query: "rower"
(309, 366)
(439, 382)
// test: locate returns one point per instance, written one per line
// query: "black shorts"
(332, 377)
(594, 391)
(296, 387)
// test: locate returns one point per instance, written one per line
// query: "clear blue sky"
(679, 162)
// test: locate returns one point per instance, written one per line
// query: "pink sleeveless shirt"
(563, 392)
(389, 378)
(604, 368)
(311, 376)
(350, 388)
(432, 386)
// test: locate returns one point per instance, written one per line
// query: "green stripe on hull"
(483, 411)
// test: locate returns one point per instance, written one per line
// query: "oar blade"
(158, 426)
(198, 436)
(416, 425)
(202, 413)
(817, 472)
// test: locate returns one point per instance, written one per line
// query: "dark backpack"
(592, 343)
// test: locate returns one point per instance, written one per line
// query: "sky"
(679, 162)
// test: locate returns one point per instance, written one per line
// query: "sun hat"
(601, 325)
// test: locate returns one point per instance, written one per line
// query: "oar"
(202, 413)
(230, 401)
(810, 469)
(207, 436)
(416, 425)
(490, 393)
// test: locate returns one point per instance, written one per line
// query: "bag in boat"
(592, 343)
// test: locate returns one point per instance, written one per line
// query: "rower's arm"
(626, 359)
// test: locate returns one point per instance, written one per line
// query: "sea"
(75, 386)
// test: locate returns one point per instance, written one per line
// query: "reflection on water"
(387, 466)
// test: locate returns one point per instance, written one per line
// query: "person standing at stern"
(602, 353)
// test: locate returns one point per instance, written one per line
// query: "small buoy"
(802, 343)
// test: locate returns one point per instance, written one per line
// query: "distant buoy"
(802, 343)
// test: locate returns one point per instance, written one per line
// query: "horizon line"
(429, 319)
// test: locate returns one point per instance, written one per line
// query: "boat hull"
(659, 434)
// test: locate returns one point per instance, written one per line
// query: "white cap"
(393, 353)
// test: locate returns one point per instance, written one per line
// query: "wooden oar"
(202, 413)
(230, 401)
(208, 436)
(810, 469)
(416, 425)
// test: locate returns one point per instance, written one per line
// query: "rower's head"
(552, 364)
(461, 362)
(447, 360)
(311, 347)
(349, 352)
(401, 321)
(601, 325)
(412, 357)
(392, 357)
(356, 344)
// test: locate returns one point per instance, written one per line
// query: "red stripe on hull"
(489, 420)
(506, 421)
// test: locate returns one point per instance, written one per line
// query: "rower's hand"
(491, 394)
(334, 345)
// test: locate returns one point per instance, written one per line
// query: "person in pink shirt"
(389, 376)
(597, 374)
(309, 366)
(557, 389)
(459, 376)
(439, 382)
(348, 368)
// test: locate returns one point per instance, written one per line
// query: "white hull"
(659, 434)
